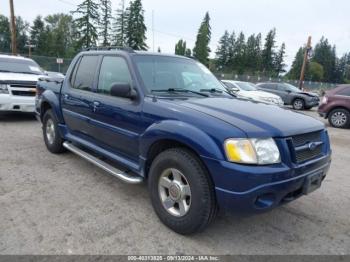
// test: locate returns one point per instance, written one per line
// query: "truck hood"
(13, 77)
(255, 119)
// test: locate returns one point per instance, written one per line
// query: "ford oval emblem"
(312, 146)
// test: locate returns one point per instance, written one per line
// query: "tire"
(52, 138)
(298, 104)
(197, 195)
(339, 118)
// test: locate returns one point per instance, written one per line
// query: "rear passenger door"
(77, 96)
(116, 121)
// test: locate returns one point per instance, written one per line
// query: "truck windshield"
(15, 65)
(246, 86)
(160, 73)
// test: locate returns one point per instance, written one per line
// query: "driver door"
(116, 122)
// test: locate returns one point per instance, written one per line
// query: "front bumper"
(312, 103)
(10, 102)
(256, 189)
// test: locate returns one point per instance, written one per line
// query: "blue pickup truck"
(167, 120)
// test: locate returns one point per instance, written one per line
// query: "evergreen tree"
(222, 52)
(240, 54)
(136, 29)
(5, 35)
(315, 72)
(22, 28)
(324, 54)
(105, 23)
(188, 52)
(119, 25)
(257, 52)
(279, 64)
(87, 22)
(231, 50)
(180, 48)
(297, 64)
(268, 53)
(201, 50)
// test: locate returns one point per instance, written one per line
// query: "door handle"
(66, 96)
(95, 105)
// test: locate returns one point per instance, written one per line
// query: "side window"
(267, 86)
(113, 70)
(282, 88)
(85, 73)
(344, 92)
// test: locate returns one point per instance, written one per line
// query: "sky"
(294, 20)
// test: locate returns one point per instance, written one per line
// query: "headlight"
(252, 151)
(324, 100)
(4, 89)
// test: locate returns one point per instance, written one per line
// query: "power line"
(66, 2)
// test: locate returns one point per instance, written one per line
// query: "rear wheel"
(298, 104)
(181, 190)
(339, 118)
(52, 138)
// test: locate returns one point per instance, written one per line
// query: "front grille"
(301, 149)
(22, 93)
(24, 85)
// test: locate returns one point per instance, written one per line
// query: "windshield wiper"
(179, 90)
(29, 73)
(212, 90)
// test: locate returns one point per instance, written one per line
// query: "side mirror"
(234, 89)
(123, 90)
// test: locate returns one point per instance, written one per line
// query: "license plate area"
(312, 182)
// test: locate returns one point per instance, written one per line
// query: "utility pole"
(306, 54)
(13, 29)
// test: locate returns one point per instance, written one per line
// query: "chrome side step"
(103, 165)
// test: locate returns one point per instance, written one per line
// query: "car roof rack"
(108, 48)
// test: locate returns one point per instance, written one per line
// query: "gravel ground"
(61, 204)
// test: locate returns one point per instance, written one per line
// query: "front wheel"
(52, 137)
(339, 118)
(181, 190)
(298, 104)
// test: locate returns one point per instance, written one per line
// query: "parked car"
(18, 78)
(250, 91)
(291, 95)
(335, 106)
(166, 119)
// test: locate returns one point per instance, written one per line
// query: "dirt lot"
(53, 204)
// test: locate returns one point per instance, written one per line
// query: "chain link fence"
(308, 85)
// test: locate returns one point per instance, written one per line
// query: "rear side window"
(114, 70)
(267, 86)
(344, 92)
(85, 73)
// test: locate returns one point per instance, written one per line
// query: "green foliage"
(315, 72)
(188, 52)
(222, 52)
(135, 36)
(201, 50)
(87, 22)
(180, 48)
(295, 70)
(278, 62)
(5, 35)
(324, 54)
(105, 23)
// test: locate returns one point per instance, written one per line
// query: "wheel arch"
(336, 107)
(178, 134)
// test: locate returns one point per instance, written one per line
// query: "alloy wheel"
(174, 192)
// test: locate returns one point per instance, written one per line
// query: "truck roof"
(15, 57)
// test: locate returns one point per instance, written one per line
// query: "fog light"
(265, 200)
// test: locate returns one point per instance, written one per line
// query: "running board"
(103, 165)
